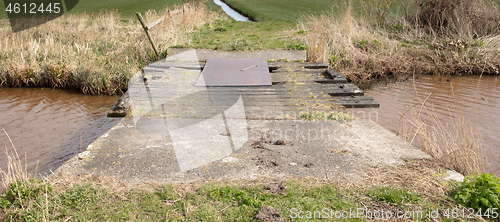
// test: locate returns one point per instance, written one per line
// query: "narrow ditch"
(232, 12)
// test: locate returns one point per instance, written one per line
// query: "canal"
(49, 126)
(478, 98)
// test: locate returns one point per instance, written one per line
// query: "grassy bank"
(229, 35)
(414, 187)
(292, 11)
(94, 53)
(454, 38)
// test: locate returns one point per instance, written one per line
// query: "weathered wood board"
(297, 87)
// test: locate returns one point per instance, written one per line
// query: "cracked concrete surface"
(275, 148)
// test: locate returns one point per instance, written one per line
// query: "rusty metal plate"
(235, 72)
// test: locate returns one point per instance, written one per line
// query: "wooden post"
(139, 16)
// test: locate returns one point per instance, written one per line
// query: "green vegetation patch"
(392, 195)
(229, 35)
(479, 192)
(319, 115)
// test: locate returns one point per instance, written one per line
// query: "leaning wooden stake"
(146, 29)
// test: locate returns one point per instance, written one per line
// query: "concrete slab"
(276, 148)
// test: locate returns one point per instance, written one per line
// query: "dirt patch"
(269, 214)
(282, 142)
(275, 188)
(309, 165)
(339, 152)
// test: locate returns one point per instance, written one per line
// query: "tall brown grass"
(453, 141)
(94, 53)
(15, 170)
(463, 18)
(367, 51)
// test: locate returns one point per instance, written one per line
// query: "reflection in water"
(49, 125)
(480, 96)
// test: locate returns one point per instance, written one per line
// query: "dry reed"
(463, 18)
(453, 141)
(15, 170)
(94, 53)
(365, 52)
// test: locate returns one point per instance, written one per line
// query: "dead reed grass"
(463, 18)
(94, 53)
(453, 141)
(15, 170)
(366, 51)
(418, 176)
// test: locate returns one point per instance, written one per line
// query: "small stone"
(82, 155)
(452, 175)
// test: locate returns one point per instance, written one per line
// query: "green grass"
(392, 195)
(228, 35)
(38, 201)
(285, 10)
(210, 202)
(126, 8)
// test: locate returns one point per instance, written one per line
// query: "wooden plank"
(346, 90)
(273, 66)
(289, 86)
(204, 106)
(355, 91)
(297, 71)
(307, 65)
(281, 81)
(282, 76)
(358, 102)
(150, 26)
(334, 74)
(316, 65)
(180, 65)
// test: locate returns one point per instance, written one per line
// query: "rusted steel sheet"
(235, 72)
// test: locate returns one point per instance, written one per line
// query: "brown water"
(50, 126)
(480, 97)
